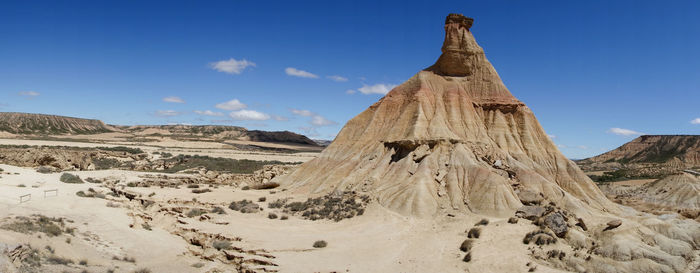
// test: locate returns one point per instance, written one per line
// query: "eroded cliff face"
(451, 137)
(673, 150)
(23, 123)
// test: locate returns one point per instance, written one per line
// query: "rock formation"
(451, 137)
(678, 150)
(23, 123)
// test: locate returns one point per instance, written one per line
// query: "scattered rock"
(613, 224)
(530, 212)
(555, 222)
(580, 223)
(528, 197)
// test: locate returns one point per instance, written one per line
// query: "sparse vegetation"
(21, 186)
(184, 162)
(474, 233)
(106, 163)
(266, 186)
(332, 206)
(262, 199)
(272, 216)
(467, 258)
(284, 217)
(142, 270)
(53, 259)
(244, 206)
(540, 237)
(218, 210)
(482, 222)
(512, 220)
(198, 191)
(466, 245)
(195, 212)
(70, 178)
(36, 223)
(193, 186)
(122, 149)
(320, 244)
(83, 262)
(220, 244)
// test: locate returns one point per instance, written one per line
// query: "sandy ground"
(378, 241)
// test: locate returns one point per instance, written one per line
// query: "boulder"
(557, 223)
(613, 224)
(528, 197)
(530, 212)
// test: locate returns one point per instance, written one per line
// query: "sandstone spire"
(450, 138)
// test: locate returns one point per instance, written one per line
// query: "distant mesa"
(40, 124)
(681, 150)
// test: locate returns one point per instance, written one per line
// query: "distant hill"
(669, 149)
(38, 124)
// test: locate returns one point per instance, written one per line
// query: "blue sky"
(583, 67)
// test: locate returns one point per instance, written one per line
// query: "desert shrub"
(195, 212)
(467, 258)
(332, 206)
(277, 203)
(218, 210)
(53, 259)
(131, 184)
(70, 178)
(198, 265)
(122, 149)
(539, 237)
(272, 216)
(141, 270)
(81, 194)
(474, 233)
(22, 186)
(83, 262)
(266, 186)
(106, 163)
(152, 194)
(483, 222)
(512, 220)
(92, 180)
(245, 188)
(466, 245)
(320, 244)
(193, 186)
(220, 244)
(198, 191)
(112, 205)
(243, 166)
(146, 226)
(284, 217)
(36, 223)
(129, 259)
(262, 199)
(244, 206)
(42, 169)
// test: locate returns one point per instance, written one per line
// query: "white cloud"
(291, 71)
(321, 121)
(209, 113)
(695, 121)
(379, 88)
(167, 113)
(624, 132)
(231, 66)
(249, 115)
(231, 105)
(582, 147)
(337, 78)
(350, 91)
(552, 136)
(28, 93)
(303, 113)
(173, 99)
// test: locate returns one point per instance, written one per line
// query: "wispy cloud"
(303, 113)
(231, 105)
(231, 66)
(30, 94)
(624, 132)
(291, 71)
(209, 113)
(167, 113)
(552, 136)
(321, 121)
(380, 88)
(249, 115)
(337, 78)
(695, 121)
(279, 118)
(173, 100)
(316, 119)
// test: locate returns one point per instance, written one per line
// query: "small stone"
(530, 212)
(613, 224)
